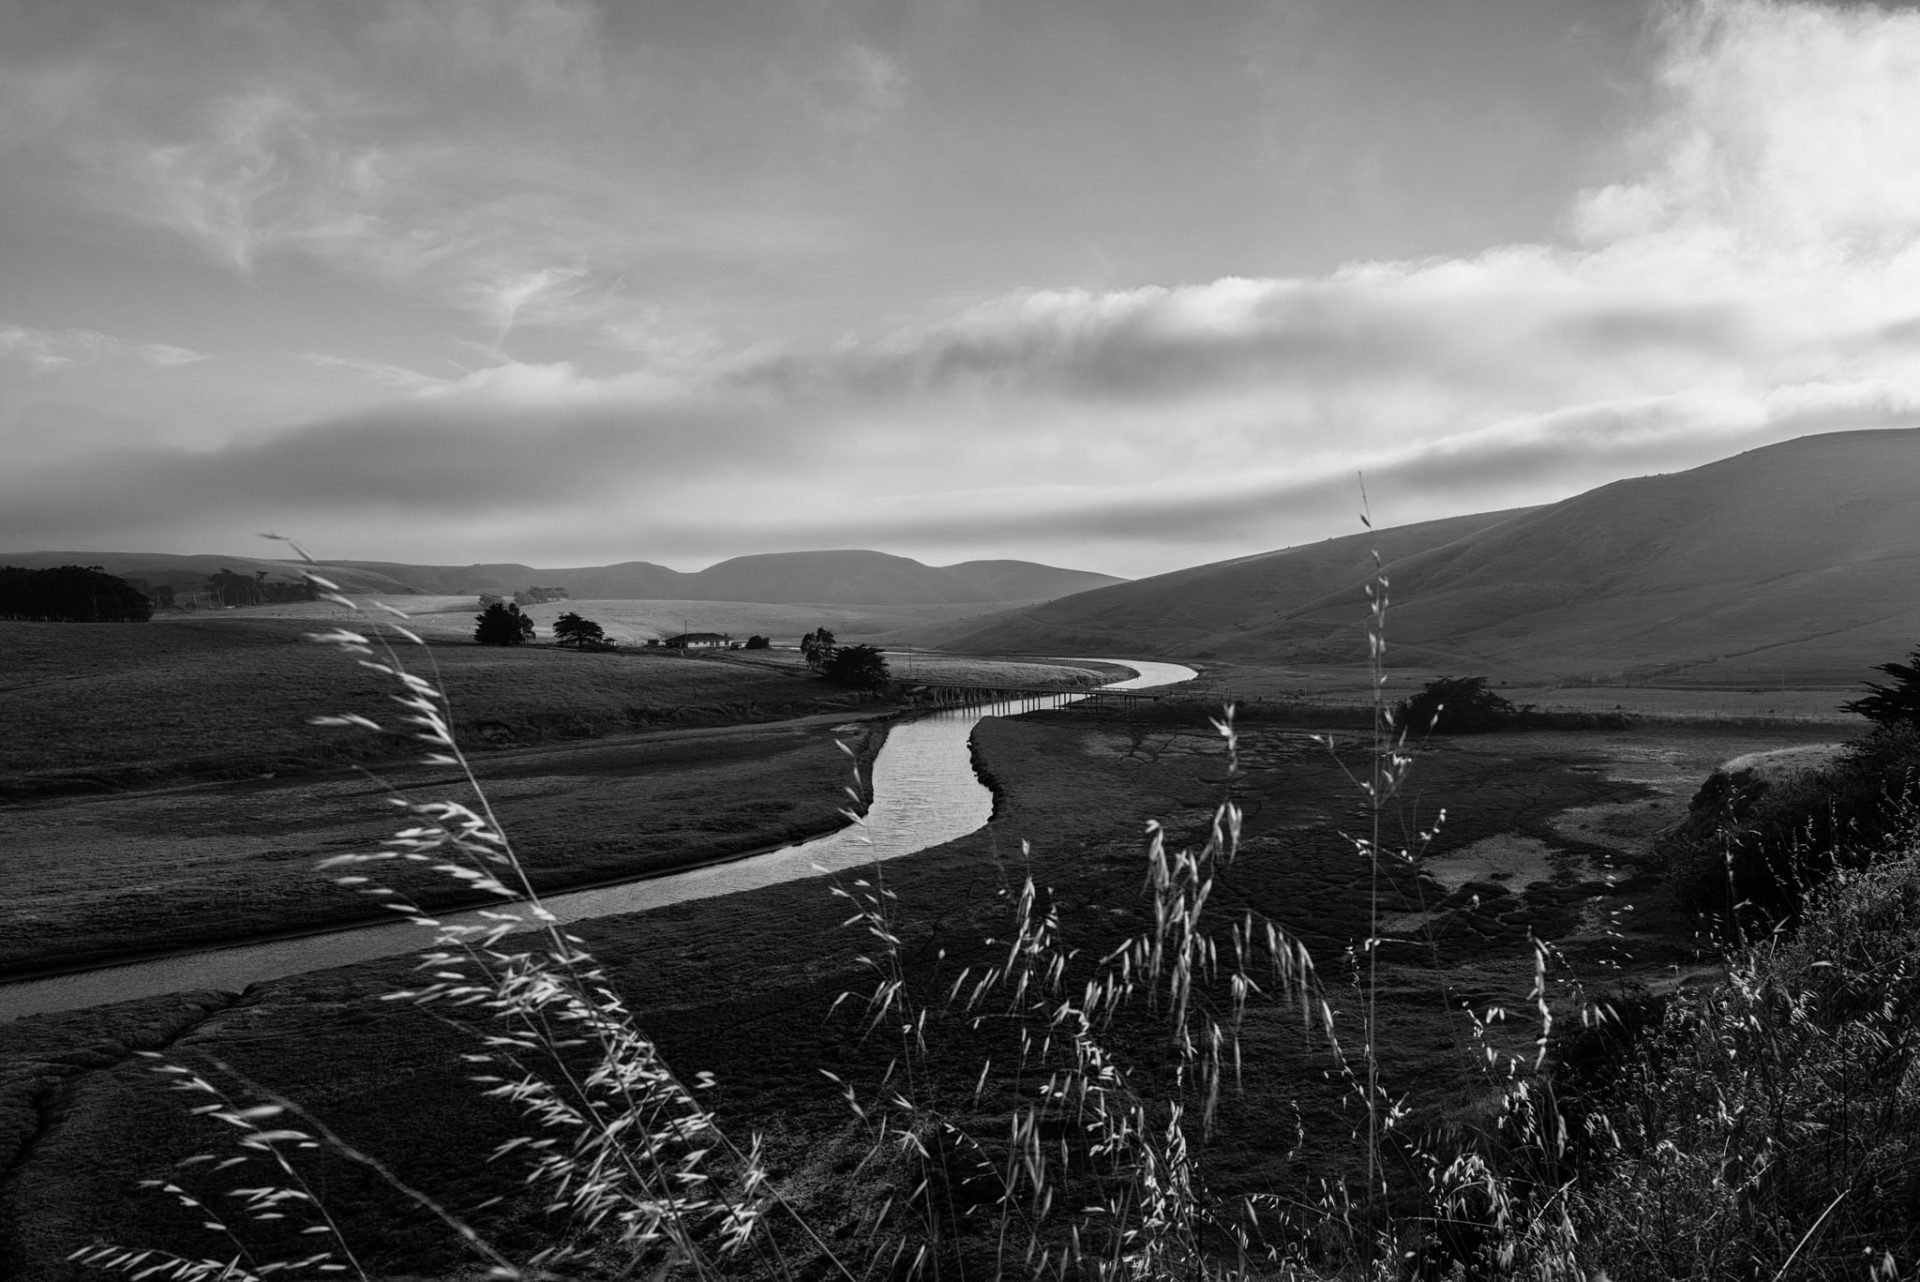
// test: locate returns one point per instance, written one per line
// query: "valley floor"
(1545, 834)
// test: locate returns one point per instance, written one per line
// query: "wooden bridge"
(962, 694)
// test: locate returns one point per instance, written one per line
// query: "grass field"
(632, 622)
(1255, 686)
(97, 877)
(86, 707)
(742, 985)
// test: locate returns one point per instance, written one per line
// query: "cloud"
(504, 158)
(379, 371)
(48, 350)
(1748, 276)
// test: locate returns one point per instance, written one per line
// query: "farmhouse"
(699, 641)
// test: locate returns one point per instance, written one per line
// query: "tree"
(1453, 705)
(817, 647)
(1894, 704)
(502, 624)
(70, 594)
(860, 666)
(758, 642)
(572, 630)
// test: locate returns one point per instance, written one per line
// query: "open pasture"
(1259, 687)
(634, 622)
(90, 706)
(93, 877)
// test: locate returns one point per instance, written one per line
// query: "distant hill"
(1799, 562)
(832, 578)
(1025, 581)
(188, 574)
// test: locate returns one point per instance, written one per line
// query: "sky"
(1119, 285)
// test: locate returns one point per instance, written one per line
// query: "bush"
(1754, 848)
(1454, 705)
(860, 666)
(1774, 1120)
(502, 624)
(758, 642)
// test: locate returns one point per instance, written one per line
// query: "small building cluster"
(700, 641)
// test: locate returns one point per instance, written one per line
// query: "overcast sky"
(1124, 285)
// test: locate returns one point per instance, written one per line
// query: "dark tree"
(1896, 703)
(502, 624)
(758, 642)
(816, 648)
(1453, 705)
(572, 630)
(860, 666)
(70, 594)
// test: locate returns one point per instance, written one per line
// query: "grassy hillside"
(1187, 612)
(1796, 564)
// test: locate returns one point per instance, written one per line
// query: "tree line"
(70, 594)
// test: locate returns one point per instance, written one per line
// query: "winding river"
(924, 794)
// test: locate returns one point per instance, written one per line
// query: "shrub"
(861, 666)
(1751, 849)
(1770, 1126)
(1454, 705)
(502, 624)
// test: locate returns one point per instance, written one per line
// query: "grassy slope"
(1188, 613)
(1797, 563)
(741, 986)
(633, 621)
(93, 878)
(91, 705)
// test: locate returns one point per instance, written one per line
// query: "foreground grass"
(743, 986)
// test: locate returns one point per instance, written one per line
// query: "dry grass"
(98, 877)
(90, 707)
(632, 622)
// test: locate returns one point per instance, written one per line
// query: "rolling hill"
(831, 578)
(1795, 563)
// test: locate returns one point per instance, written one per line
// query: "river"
(924, 794)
